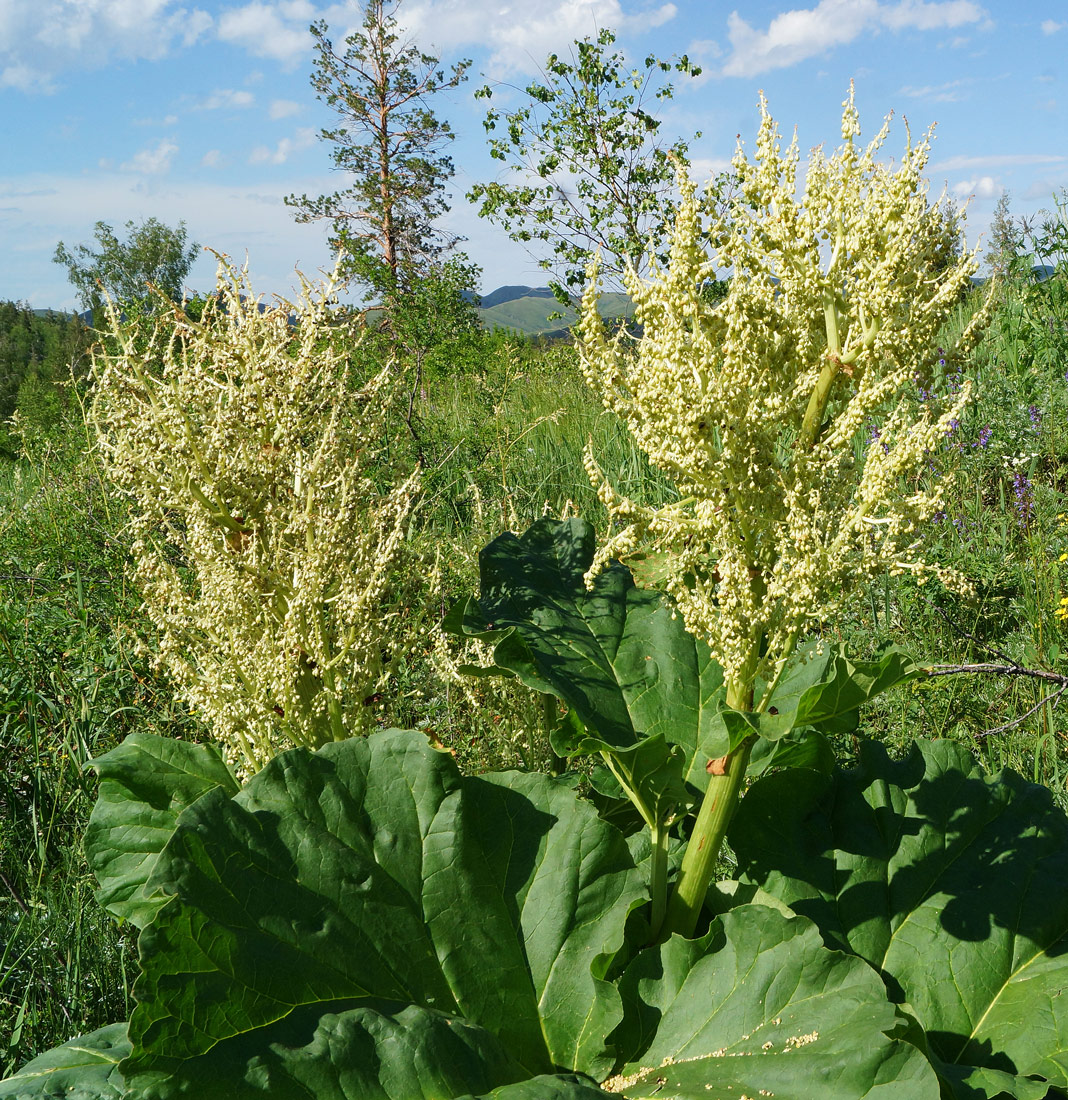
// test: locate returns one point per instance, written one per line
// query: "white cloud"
(949, 92)
(263, 154)
(797, 35)
(997, 160)
(40, 40)
(707, 168)
(929, 15)
(283, 108)
(982, 187)
(223, 98)
(167, 120)
(211, 158)
(26, 78)
(702, 50)
(278, 31)
(1051, 27)
(521, 33)
(152, 162)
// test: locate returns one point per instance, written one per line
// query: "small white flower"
(263, 550)
(752, 407)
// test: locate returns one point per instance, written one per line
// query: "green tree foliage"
(588, 169)
(37, 350)
(1006, 240)
(153, 254)
(433, 331)
(390, 143)
(435, 324)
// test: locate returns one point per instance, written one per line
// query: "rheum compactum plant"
(263, 543)
(362, 922)
(753, 407)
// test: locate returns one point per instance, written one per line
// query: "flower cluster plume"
(754, 405)
(266, 522)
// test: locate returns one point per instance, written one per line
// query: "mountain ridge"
(527, 310)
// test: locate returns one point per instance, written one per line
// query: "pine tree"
(390, 142)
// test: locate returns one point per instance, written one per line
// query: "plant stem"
(817, 402)
(658, 879)
(557, 764)
(717, 808)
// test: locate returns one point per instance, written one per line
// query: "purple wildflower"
(1036, 417)
(874, 437)
(984, 437)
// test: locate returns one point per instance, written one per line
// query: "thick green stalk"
(549, 717)
(725, 780)
(817, 402)
(699, 862)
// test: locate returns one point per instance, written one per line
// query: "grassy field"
(504, 445)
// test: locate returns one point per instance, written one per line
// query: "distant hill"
(530, 310)
(523, 309)
(511, 293)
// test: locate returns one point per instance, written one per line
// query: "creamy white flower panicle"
(265, 534)
(754, 406)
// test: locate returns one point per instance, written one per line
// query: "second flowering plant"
(266, 530)
(753, 407)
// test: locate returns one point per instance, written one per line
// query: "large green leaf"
(86, 1068)
(760, 1007)
(145, 783)
(372, 869)
(954, 885)
(622, 660)
(362, 1052)
(330, 1052)
(618, 655)
(363, 923)
(821, 692)
(824, 689)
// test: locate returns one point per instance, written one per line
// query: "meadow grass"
(71, 686)
(503, 446)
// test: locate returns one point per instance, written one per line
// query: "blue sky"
(118, 110)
